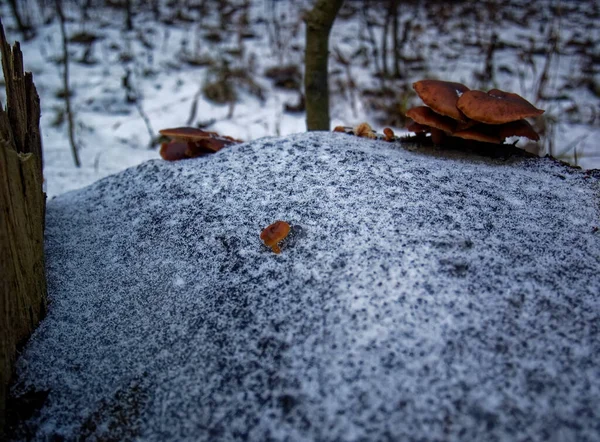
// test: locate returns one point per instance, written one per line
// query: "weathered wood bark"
(22, 211)
(316, 88)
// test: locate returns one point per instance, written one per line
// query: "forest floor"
(236, 67)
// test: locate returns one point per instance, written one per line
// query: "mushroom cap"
(173, 151)
(274, 233)
(481, 132)
(206, 145)
(441, 96)
(364, 130)
(519, 128)
(388, 134)
(496, 133)
(417, 128)
(496, 106)
(187, 133)
(426, 116)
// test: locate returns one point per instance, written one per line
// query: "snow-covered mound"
(423, 295)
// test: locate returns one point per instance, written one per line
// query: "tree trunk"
(22, 211)
(318, 26)
(128, 16)
(384, 47)
(67, 88)
(25, 30)
(395, 30)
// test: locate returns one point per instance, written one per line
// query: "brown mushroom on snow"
(459, 112)
(274, 233)
(417, 128)
(480, 132)
(438, 125)
(173, 151)
(497, 133)
(496, 106)
(197, 142)
(364, 130)
(519, 128)
(441, 96)
(388, 134)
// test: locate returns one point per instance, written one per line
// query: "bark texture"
(316, 88)
(22, 211)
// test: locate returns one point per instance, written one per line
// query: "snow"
(423, 294)
(450, 40)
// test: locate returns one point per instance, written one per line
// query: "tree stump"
(22, 212)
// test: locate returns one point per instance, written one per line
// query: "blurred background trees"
(245, 53)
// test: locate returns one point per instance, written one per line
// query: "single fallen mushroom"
(496, 106)
(274, 233)
(441, 96)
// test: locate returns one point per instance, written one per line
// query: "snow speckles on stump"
(430, 296)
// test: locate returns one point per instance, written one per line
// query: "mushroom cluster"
(364, 130)
(452, 109)
(190, 142)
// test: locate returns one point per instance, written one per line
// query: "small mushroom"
(388, 134)
(441, 96)
(275, 233)
(496, 106)
(364, 130)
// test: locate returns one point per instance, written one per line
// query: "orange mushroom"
(388, 134)
(519, 128)
(364, 130)
(496, 106)
(441, 96)
(273, 234)
(437, 124)
(484, 133)
(197, 142)
(426, 116)
(173, 151)
(417, 128)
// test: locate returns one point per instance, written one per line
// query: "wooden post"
(22, 212)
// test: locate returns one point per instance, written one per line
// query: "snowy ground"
(422, 295)
(547, 51)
